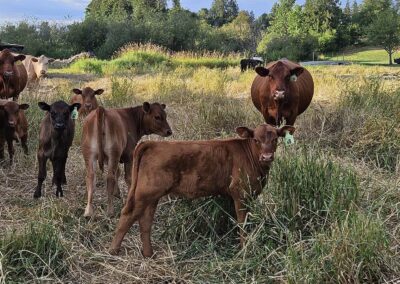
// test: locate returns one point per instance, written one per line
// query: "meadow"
(329, 214)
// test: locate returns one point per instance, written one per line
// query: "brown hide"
(236, 168)
(110, 136)
(13, 126)
(13, 75)
(276, 96)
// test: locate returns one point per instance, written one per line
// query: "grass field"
(330, 212)
(367, 56)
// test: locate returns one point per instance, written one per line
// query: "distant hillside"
(368, 56)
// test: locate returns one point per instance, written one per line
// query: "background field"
(330, 212)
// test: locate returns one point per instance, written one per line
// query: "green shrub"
(36, 252)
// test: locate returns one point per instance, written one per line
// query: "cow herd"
(236, 168)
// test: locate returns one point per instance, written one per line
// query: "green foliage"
(222, 12)
(36, 252)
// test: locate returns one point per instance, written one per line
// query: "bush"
(295, 48)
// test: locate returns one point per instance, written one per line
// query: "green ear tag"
(293, 78)
(288, 139)
(74, 114)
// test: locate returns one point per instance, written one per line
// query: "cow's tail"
(100, 136)
(137, 156)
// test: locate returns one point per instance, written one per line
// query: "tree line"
(288, 30)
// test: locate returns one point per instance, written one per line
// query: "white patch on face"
(41, 67)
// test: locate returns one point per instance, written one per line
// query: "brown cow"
(283, 89)
(87, 98)
(55, 138)
(235, 168)
(13, 77)
(13, 126)
(111, 135)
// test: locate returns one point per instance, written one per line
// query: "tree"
(176, 4)
(222, 12)
(117, 10)
(384, 31)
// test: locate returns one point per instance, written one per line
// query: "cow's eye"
(257, 142)
(158, 117)
(52, 113)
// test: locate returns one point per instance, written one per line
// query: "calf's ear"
(245, 132)
(23, 106)
(34, 59)
(44, 106)
(75, 105)
(163, 106)
(287, 128)
(19, 57)
(77, 91)
(146, 107)
(98, 91)
(51, 60)
(263, 72)
(297, 71)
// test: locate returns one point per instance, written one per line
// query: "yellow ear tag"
(288, 139)
(293, 78)
(75, 114)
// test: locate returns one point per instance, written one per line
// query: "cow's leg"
(11, 150)
(116, 192)
(63, 177)
(145, 223)
(111, 182)
(24, 140)
(128, 173)
(2, 142)
(129, 214)
(90, 185)
(42, 159)
(58, 174)
(241, 212)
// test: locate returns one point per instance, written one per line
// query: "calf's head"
(265, 139)
(11, 111)
(60, 113)
(280, 76)
(7, 62)
(89, 101)
(155, 119)
(41, 65)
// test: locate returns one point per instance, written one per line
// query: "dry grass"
(197, 241)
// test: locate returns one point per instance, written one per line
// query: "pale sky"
(73, 10)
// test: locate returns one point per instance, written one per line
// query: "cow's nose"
(267, 157)
(279, 94)
(11, 123)
(169, 132)
(8, 73)
(59, 125)
(88, 105)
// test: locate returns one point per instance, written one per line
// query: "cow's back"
(31, 75)
(305, 84)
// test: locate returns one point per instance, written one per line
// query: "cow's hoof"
(149, 254)
(88, 212)
(37, 194)
(114, 251)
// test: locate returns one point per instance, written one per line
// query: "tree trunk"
(390, 57)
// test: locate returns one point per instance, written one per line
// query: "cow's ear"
(163, 106)
(77, 91)
(297, 71)
(19, 57)
(75, 105)
(263, 72)
(51, 60)
(34, 59)
(245, 132)
(98, 91)
(146, 107)
(23, 106)
(287, 128)
(44, 106)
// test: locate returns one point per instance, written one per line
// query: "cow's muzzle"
(168, 133)
(88, 106)
(279, 95)
(59, 126)
(8, 74)
(266, 158)
(11, 124)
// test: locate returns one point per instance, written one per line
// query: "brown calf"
(55, 138)
(282, 90)
(13, 76)
(87, 98)
(234, 168)
(110, 135)
(13, 126)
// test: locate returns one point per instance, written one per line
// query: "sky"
(73, 10)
